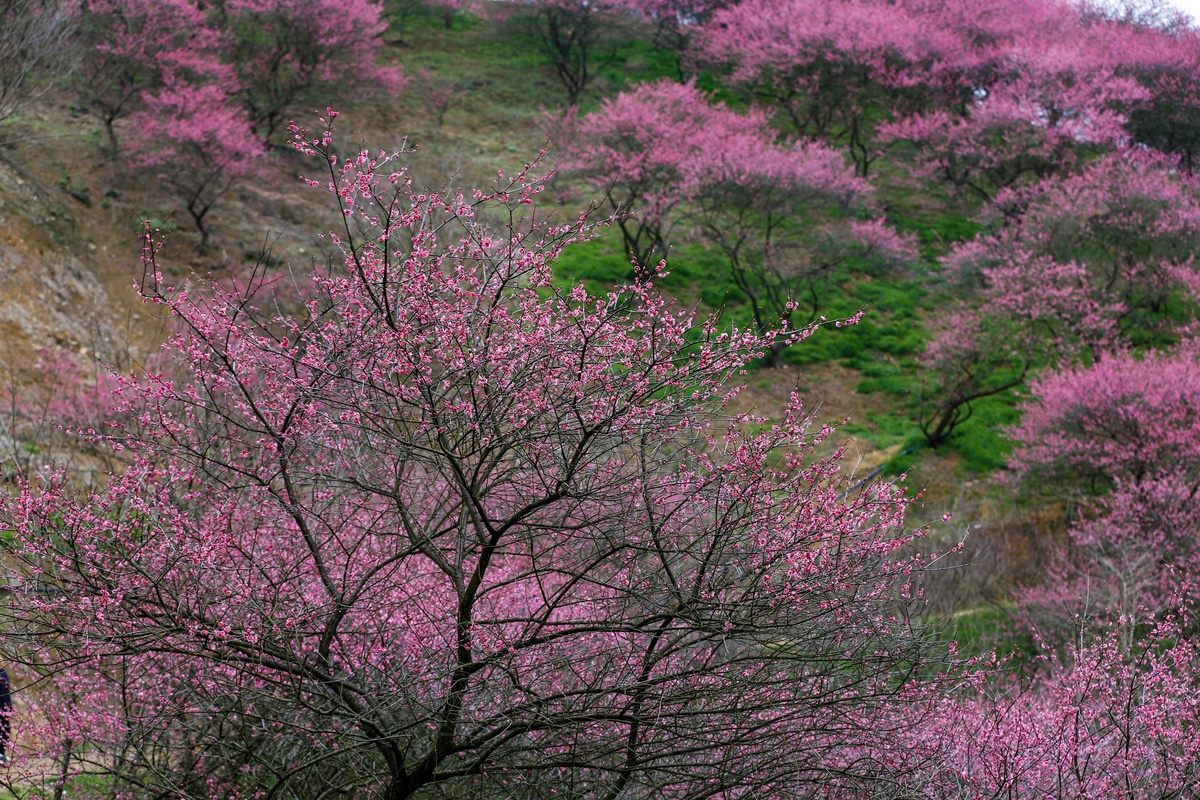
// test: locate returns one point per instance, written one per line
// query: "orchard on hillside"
(458, 505)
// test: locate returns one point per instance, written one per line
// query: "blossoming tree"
(451, 530)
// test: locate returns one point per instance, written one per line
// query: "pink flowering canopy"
(823, 64)
(425, 522)
(1118, 439)
(1075, 267)
(1101, 723)
(1032, 107)
(1095, 260)
(451, 529)
(784, 216)
(1167, 117)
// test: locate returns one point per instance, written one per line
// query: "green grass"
(936, 233)
(882, 347)
(635, 61)
(508, 60)
(980, 440)
(985, 629)
(883, 430)
(890, 331)
(696, 274)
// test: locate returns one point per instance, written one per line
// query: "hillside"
(982, 218)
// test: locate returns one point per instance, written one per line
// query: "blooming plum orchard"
(1123, 420)
(175, 66)
(780, 214)
(991, 93)
(823, 64)
(1167, 118)
(1097, 260)
(453, 531)
(773, 212)
(1029, 107)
